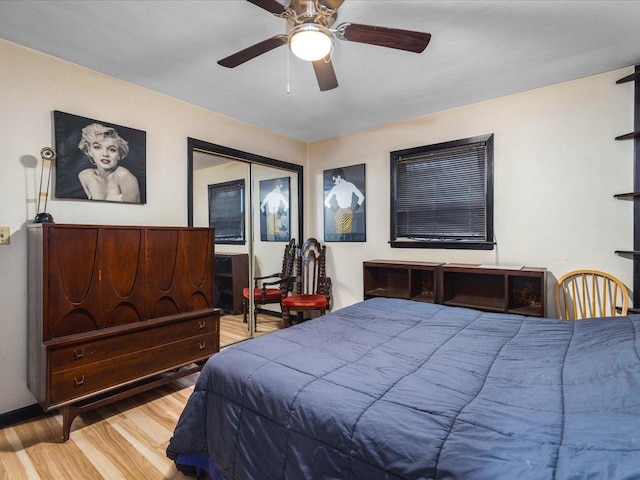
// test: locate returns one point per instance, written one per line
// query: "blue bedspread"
(398, 389)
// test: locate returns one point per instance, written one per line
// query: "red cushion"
(273, 294)
(308, 301)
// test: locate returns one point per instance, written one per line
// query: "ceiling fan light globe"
(310, 42)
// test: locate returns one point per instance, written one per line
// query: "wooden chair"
(588, 294)
(312, 287)
(271, 288)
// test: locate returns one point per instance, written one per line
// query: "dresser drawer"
(117, 371)
(91, 351)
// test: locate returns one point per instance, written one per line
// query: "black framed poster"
(98, 160)
(274, 210)
(344, 207)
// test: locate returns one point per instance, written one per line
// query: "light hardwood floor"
(125, 440)
(232, 329)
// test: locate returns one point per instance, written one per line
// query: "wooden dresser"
(116, 310)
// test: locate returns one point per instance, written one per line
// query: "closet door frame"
(195, 145)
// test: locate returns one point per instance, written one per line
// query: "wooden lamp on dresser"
(116, 310)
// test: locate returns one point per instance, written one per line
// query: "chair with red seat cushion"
(272, 291)
(312, 287)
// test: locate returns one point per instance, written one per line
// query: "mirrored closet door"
(256, 205)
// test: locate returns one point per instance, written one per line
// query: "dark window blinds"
(441, 192)
(226, 211)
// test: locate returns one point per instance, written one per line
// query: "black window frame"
(240, 237)
(435, 241)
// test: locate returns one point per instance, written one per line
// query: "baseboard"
(20, 415)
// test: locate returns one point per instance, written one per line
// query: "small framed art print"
(274, 210)
(345, 211)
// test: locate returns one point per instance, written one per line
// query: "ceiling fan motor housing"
(299, 12)
(308, 32)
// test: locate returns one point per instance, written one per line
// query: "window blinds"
(226, 210)
(441, 194)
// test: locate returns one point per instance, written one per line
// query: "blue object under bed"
(395, 389)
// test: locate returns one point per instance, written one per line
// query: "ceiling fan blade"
(272, 6)
(385, 37)
(331, 4)
(253, 51)
(325, 74)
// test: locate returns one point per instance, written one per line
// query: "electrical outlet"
(5, 236)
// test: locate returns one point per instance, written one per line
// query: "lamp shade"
(310, 42)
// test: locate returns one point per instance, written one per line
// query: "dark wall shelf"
(629, 136)
(627, 196)
(629, 253)
(630, 78)
(635, 136)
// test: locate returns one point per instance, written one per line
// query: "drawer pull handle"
(202, 345)
(77, 355)
(202, 324)
(78, 382)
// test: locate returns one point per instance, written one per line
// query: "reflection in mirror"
(275, 222)
(271, 209)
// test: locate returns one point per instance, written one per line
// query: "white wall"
(32, 85)
(556, 169)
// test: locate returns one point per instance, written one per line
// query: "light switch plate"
(5, 235)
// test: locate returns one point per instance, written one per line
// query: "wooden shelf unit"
(230, 277)
(520, 291)
(398, 279)
(493, 289)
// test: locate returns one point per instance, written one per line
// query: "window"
(442, 195)
(226, 211)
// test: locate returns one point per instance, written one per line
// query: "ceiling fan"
(310, 36)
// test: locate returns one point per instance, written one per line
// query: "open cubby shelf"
(230, 277)
(408, 280)
(492, 289)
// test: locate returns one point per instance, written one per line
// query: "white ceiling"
(479, 50)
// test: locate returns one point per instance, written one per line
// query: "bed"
(393, 389)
